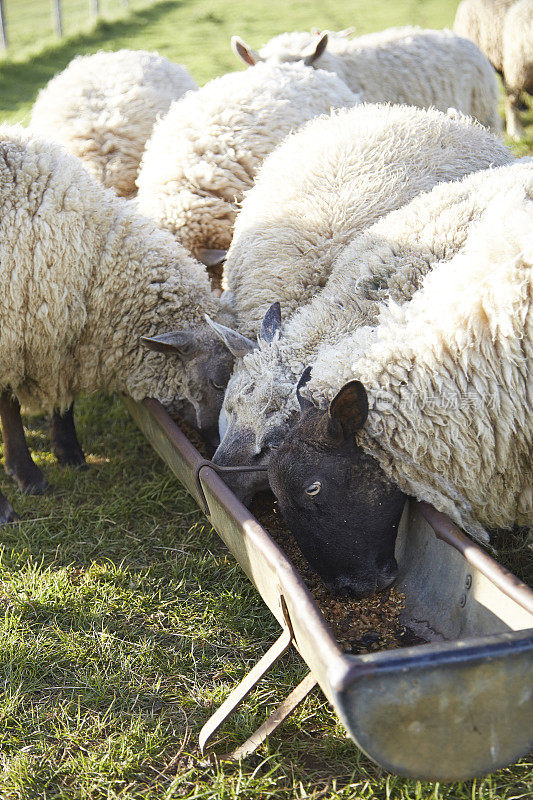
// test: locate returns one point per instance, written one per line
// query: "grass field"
(125, 620)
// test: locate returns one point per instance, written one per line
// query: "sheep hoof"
(36, 487)
(70, 458)
(7, 515)
(30, 480)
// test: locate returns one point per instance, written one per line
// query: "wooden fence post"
(95, 7)
(3, 25)
(56, 14)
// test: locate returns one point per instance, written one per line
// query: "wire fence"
(26, 24)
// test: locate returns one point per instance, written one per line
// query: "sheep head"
(309, 55)
(252, 421)
(340, 506)
(203, 368)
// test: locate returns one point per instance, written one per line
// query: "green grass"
(125, 620)
(31, 26)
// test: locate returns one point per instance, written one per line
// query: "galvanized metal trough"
(457, 707)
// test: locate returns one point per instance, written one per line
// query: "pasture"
(125, 620)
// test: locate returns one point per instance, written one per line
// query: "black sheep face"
(339, 504)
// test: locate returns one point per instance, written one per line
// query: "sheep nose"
(387, 574)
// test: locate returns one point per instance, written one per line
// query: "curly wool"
(449, 375)
(102, 108)
(329, 181)
(81, 278)
(503, 30)
(386, 262)
(206, 152)
(410, 65)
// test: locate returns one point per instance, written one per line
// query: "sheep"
(408, 65)
(503, 30)
(102, 108)
(330, 180)
(386, 261)
(303, 209)
(438, 406)
(206, 151)
(82, 277)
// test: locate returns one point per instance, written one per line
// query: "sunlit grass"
(125, 621)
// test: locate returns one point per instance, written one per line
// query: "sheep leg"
(17, 459)
(512, 117)
(65, 445)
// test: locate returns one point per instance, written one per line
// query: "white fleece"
(82, 277)
(424, 68)
(206, 151)
(450, 375)
(102, 108)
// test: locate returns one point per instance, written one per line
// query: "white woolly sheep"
(386, 261)
(205, 153)
(410, 65)
(102, 108)
(503, 30)
(327, 182)
(440, 409)
(82, 277)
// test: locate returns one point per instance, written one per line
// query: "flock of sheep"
(376, 236)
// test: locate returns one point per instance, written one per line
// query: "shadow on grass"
(126, 507)
(21, 80)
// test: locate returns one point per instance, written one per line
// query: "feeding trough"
(459, 706)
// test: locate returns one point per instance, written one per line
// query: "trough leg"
(244, 688)
(17, 459)
(291, 702)
(282, 643)
(65, 445)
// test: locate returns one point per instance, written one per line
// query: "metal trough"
(455, 708)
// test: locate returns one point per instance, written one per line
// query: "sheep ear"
(319, 49)
(236, 343)
(348, 410)
(211, 257)
(305, 377)
(241, 49)
(183, 343)
(271, 323)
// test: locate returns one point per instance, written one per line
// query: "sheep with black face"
(440, 410)
(351, 545)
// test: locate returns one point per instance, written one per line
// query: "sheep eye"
(216, 386)
(313, 489)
